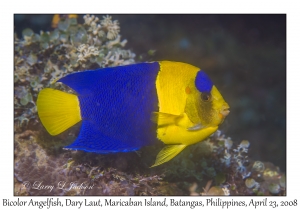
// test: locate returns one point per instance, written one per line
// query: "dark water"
(245, 56)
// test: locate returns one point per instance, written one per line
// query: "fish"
(125, 108)
(56, 18)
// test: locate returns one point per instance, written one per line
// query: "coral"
(86, 52)
(112, 27)
(243, 175)
(223, 168)
(41, 59)
(39, 173)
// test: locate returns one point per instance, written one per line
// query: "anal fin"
(168, 153)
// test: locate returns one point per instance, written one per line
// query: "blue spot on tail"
(202, 82)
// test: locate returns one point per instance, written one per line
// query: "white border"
(8, 8)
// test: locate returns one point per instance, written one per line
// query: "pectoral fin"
(163, 119)
(167, 153)
(196, 127)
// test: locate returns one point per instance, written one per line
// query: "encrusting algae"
(216, 164)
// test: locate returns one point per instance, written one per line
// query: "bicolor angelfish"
(128, 107)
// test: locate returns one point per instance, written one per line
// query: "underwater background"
(245, 57)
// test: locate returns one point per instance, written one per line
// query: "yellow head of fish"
(190, 108)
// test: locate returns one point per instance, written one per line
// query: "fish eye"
(206, 96)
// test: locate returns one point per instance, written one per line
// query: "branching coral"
(85, 53)
(112, 27)
(92, 22)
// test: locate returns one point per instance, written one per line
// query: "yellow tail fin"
(58, 110)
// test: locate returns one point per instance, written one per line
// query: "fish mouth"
(225, 110)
